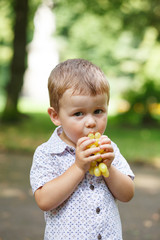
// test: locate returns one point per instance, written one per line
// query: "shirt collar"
(56, 145)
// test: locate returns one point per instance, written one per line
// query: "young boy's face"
(80, 114)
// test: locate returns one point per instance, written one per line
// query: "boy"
(77, 205)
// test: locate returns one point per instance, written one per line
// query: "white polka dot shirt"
(91, 212)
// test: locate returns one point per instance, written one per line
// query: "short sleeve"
(44, 169)
(120, 162)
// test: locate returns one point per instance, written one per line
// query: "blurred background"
(122, 37)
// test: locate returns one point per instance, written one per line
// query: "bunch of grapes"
(97, 167)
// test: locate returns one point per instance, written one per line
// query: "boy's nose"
(90, 122)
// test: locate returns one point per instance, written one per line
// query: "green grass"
(25, 136)
(136, 144)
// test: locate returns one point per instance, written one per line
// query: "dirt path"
(20, 218)
(141, 216)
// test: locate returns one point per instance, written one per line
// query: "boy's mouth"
(91, 132)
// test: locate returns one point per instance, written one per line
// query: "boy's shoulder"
(54, 145)
(114, 145)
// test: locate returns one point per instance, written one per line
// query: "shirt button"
(99, 236)
(98, 210)
(91, 187)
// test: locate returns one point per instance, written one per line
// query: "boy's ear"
(54, 116)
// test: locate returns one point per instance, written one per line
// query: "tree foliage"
(120, 36)
(16, 68)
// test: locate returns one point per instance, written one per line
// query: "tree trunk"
(18, 64)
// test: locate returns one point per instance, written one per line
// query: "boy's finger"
(93, 157)
(92, 151)
(104, 139)
(86, 142)
(81, 140)
(108, 155)
(107, 147)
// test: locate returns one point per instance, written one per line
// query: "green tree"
(143, 104)
(122, 37)
(22, 15)
(18, 65)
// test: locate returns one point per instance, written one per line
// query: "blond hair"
(80, 75)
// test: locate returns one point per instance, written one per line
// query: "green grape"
(96, 143)
(91, 170)
(101, 151)
(99, 159)
(91, 135)
(97, 135)
(102, 167)
(90, 146)
(97, 167)
(106, 174)
(93, 145)
(93, 164)
(97, 172)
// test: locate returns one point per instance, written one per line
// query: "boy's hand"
(84, 155)
(108, 155)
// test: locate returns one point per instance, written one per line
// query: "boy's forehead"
(82, 93)
(70, 97)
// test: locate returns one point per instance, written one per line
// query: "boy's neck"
(65, 139)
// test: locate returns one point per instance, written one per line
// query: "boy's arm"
(120, 185)
(53, 193)
(56, 191)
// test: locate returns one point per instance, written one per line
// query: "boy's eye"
(98, 111)
(78, 114)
